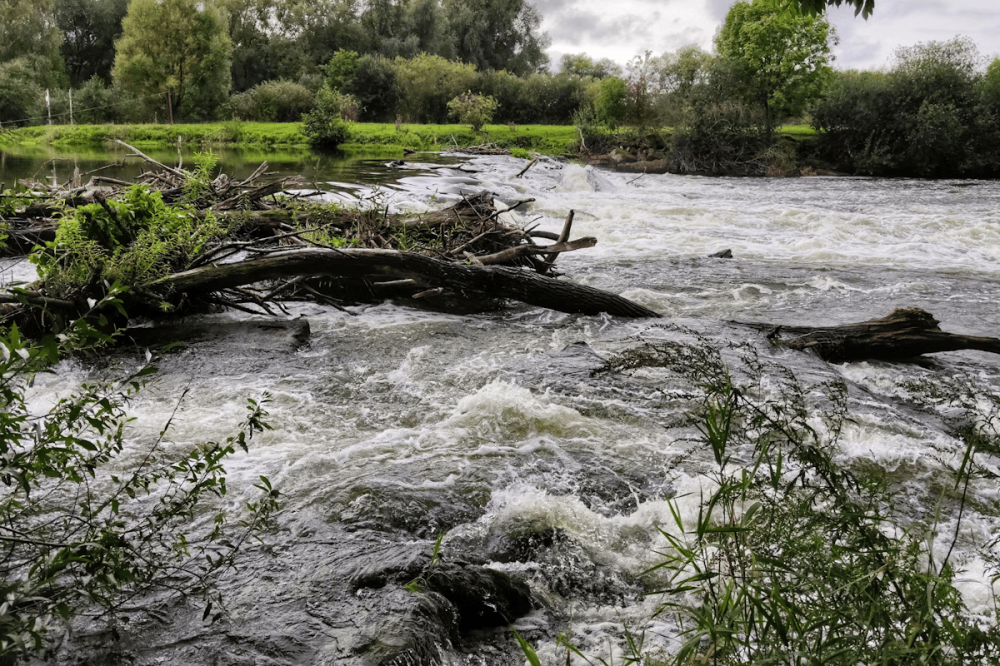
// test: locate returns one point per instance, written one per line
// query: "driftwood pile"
(289, 249)
(473, 250)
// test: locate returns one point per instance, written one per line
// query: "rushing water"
(395, 424)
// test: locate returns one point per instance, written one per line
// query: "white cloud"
(622, 29)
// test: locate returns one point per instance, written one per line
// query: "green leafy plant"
(325, 126)
(472, 109)
(794, 557)
(81, 536)
(132, 240)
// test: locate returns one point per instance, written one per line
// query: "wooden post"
(170, 110)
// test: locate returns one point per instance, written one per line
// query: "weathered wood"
(904, 333)
(389, 265)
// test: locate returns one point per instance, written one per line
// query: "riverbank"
(549, 139)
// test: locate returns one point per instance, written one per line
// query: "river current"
(394, 424)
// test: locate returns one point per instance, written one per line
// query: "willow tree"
(179, 49)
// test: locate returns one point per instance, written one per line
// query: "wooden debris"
(905, 333)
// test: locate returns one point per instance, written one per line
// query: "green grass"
(797, 132)
(364, 137)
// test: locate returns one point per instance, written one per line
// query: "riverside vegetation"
(740, 579)
(411, 63)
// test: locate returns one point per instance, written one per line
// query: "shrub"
(376, 88)
(133, 240)
(472, 109)
(272, 101)
(792, 556)
(80, 535)
(609, 104)
(925, 117)
(325, 126)
(428, 82)
(22, 101)
(509, 92)
(95, 103)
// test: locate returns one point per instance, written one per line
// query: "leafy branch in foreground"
(82, 532)
(796, 558)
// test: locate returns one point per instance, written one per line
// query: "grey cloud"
(581, 27)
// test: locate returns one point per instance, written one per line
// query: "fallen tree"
(183, 241)
(903, 334)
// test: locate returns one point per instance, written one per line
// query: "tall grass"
(796, 557)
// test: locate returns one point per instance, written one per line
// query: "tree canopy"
(180, 47)
(785, 56)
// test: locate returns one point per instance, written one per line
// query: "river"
(395, 424)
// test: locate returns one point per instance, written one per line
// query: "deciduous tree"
(786, 56)
(180, 47)
(89, 28)
(497, 34)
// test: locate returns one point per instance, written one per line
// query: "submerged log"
(904, 333)
(392, 265)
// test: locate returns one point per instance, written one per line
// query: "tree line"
(146, 60)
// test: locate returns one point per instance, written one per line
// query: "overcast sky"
(620, 29)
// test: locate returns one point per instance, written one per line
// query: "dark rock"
(482, 597)
(415, 637)
(723, 254)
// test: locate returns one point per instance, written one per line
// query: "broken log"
(391, 265)
(904, 333)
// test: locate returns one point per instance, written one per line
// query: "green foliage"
(22, 100)
(180, 47)
(428, 83)
(28, 32)
(471, 109)
(272, 101)
(785, 55)
(376, 87)
(89, 29)
(134, 240)
(497, 34)
(791, 552)
(580, 64)
(931, 115)
(610, 103)
(96, 102)
(325, 127)
(340, 70)
(80, 537)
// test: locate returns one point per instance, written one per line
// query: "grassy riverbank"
(552, 139)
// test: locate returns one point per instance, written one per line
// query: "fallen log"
(904, 333)
(391, 265)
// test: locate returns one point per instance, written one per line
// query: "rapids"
(395, 424)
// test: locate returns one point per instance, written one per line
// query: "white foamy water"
(490, 427)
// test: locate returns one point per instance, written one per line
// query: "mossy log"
(426, 272)
(905, 333)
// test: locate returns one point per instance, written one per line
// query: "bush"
(472, 109)
(96, 103)
(272, 101)
(428, 82)
(792, 557)
(926, 117)
(22, 101)
(609, 104)
(509, 92)
(80, 535)
(376, 88)
(326, 126)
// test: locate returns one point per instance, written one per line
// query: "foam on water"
(498, 418)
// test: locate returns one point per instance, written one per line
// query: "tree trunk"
(903, 334)
(471, 281)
